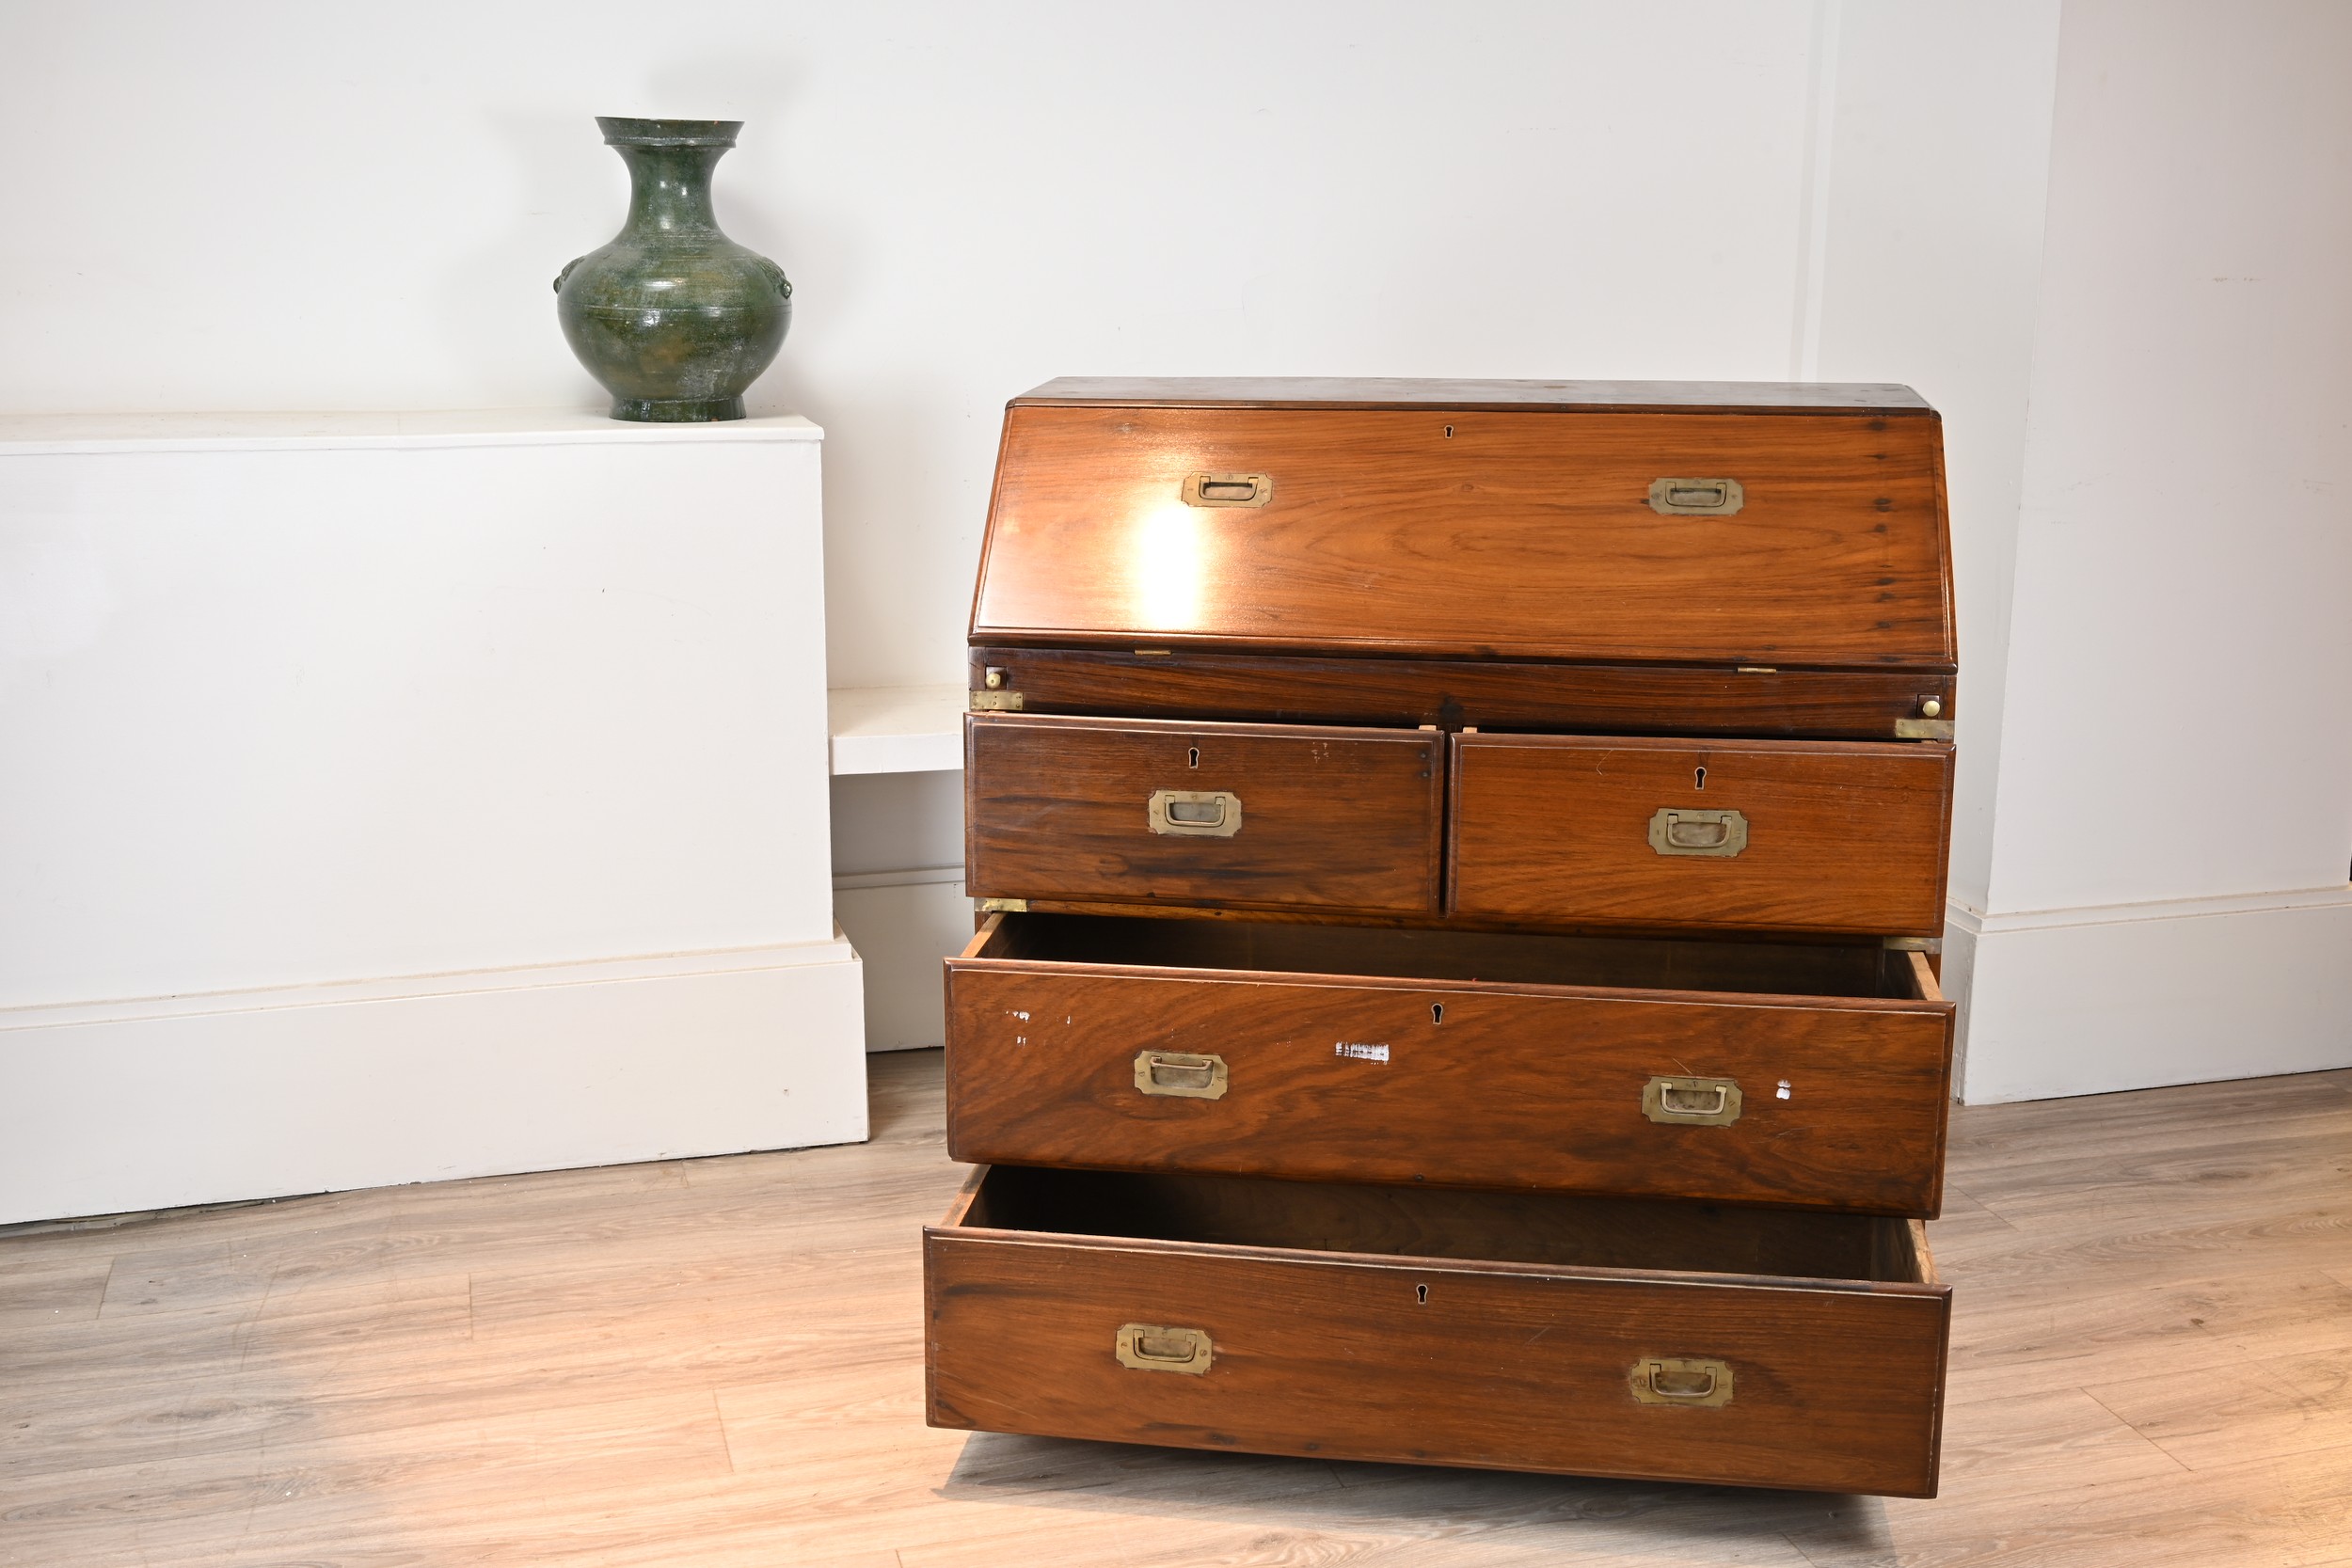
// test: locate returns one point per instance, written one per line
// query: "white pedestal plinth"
(387, 798)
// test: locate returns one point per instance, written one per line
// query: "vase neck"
(669, 186)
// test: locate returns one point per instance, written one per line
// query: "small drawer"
(1791, 836)
(1243, 815)
(1583, 1335)
(1796, 1074)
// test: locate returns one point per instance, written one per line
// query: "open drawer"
(1784, 1073)
(1530, 1331)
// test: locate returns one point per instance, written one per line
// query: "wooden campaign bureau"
(1459, 862)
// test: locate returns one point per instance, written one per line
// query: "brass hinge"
(1911, 945)
(995, 702)
(1002, 906)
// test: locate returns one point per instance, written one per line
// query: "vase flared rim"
(622, 132)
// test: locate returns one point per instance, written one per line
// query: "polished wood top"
(1310, 391)
(1456, 531)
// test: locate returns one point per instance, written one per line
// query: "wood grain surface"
(1473, 535)
(1545, 1229)
(1403, 692)
(719, 1363)
(1358, 1355)
(1301, 392)
(1842, 836)
(1330, 817)
(1339, 1076)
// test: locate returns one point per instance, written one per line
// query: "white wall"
(1938, 180)
(291, 205)
(296, 205)
(2173, 821)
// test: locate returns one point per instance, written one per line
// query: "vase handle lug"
(784, 284)
(567, 272)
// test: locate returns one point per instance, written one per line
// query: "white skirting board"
(113, 1106)
(2070, 1002)
(904, 922)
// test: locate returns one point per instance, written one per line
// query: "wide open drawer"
(1594, 1336)
(1762, 1073)
(1274, 816)
(1764, 834)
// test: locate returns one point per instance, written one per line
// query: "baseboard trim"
(164, 1102)
(904, 924)
(2070, 1002)
(587, 972)
(921, 876)
(1976, 922)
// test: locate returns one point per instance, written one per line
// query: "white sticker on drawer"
(1361, 1051)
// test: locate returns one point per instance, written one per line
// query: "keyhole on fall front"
(1193, 757)
(1421, 1295)
(1698, 777)
(1436, 1012)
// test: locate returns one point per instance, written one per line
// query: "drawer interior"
(1541, 1229)
(1506, 957)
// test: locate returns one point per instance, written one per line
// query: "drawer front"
(1778, 835)
(1831, 1387)
(1263, 815)
(1765, 538)
(1829, 1101)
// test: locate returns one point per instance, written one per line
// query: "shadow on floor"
(1652, 1520)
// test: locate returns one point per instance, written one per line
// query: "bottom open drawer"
(1604, 1337)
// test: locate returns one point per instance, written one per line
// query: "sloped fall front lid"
(1742, 523)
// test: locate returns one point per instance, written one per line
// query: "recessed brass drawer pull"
(1679, 1380)
(1196, 813)
(1180, 1073)
(1696, 497)
(1687, 830)
(1691, 1102)
(1151, 1348)
(1228, 489)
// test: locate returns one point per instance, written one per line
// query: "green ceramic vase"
(674, 318)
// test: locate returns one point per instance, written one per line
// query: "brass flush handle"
(1151, 1348)
(1696, 497)
(1181, 1075)
(1228, 489)
(1691, 1102)
(1687, 830)
(1682, 1380)
(1195, 812)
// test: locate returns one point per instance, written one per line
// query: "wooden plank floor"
(719, 1362)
